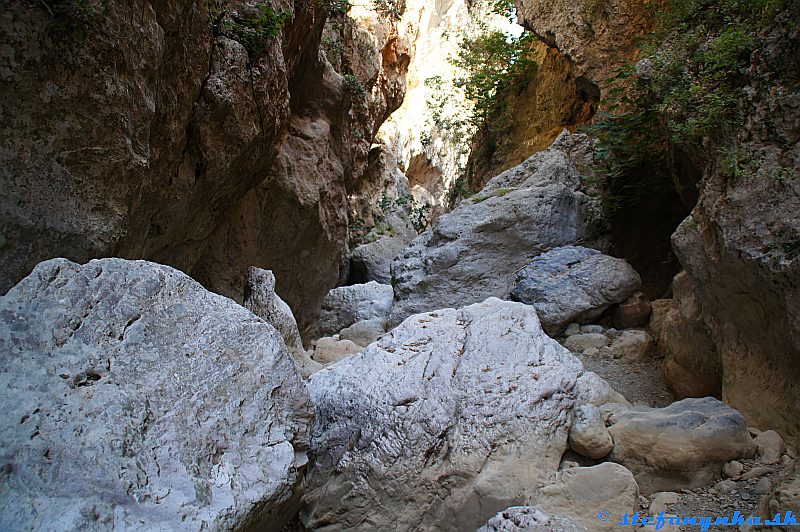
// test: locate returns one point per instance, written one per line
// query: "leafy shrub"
(392, 9)
(493, 63)
(336, 8)
(254, 33)
(353, 84)
(694, 70)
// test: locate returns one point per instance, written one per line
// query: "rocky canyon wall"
(210, 136)
(740, 246)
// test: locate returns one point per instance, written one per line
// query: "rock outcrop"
(570, 504)
(740, 248)
(245, 155)
(347, 305)
(473, 252)
(680, 446)
(595, 36)
(784, 496)
(579, 492)
(588, 435)
(451, 417)
(692, 367)
(260, 299)
(529, 519)
(574, 284)
(133, 398)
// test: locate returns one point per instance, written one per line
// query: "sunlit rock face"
(429, 134)
(597, 36)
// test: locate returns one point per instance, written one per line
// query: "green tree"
(493, 62)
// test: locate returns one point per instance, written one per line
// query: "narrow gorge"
(321, 265)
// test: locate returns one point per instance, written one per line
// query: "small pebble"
(725, 486)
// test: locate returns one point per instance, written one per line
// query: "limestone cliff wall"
(148, 130)
(740, 248)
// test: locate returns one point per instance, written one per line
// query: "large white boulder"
(680, 446)
(346, 305)
(133, 399)
(451, 417)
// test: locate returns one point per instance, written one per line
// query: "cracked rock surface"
(450, 418)
(133, 398)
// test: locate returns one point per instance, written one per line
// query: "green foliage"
(254, 33)
(392, 9)
(353, 85)
(333, 44)
(458, 190)
(336, 8)
(695, 67)
(700, 57)
(493, 63)
(504, 8)
(420, 216)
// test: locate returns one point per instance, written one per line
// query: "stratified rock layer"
(451, 417)
(134, 399)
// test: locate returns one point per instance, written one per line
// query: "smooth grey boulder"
(594, 390)
(373, 261)
(529, 519)
(588, 435)
(680, 446)
(579, 343)
(133, 399)
(574, 283)
(769, 447)
(633, 345)
(364, 332)
(451, 417)
(260, 299)
(346, 305)
(472, 252)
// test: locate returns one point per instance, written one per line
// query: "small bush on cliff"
(392, 9)
(353, 85)
(255, 32)
(687, 92)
